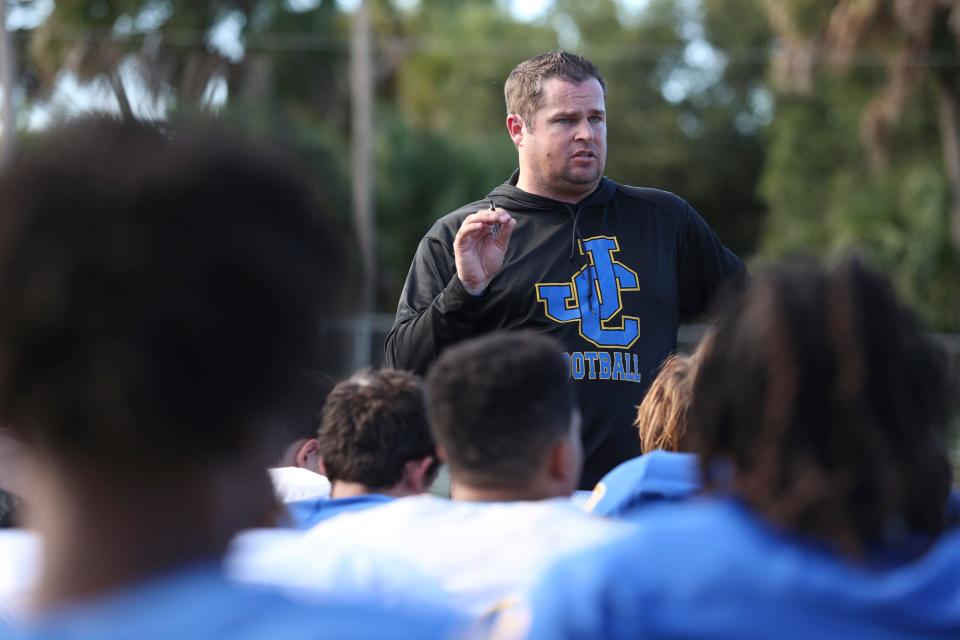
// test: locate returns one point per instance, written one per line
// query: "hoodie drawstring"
(575, 237)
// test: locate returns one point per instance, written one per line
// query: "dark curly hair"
(372, 425)
(824, 406)
(160, 293)
(498, 403)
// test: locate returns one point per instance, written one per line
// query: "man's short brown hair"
(372, 425)
(523, 90)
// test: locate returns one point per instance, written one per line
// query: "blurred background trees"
(794, 126)
(865, 150)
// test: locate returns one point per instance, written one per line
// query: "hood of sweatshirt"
(510, 197)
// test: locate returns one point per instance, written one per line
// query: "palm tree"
(7, 115)
(917, 40)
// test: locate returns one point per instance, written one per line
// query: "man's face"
(565, 149)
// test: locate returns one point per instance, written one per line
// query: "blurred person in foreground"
(19, 548)
(19, 554)
(373, 443)
(821, 418)
(667, 470)
(160, 298)
(14, 469)
(503, 410)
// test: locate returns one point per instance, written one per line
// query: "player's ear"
(516, 128)
(566, 458)
(417, 474)
(304, 452)
(563, 461)
(307, 455)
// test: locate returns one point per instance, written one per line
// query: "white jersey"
(292, 484)
(20, 555)
(267, 556)
(480, 554)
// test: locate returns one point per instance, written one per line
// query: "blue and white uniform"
(636, 483)
(201, 603)
(306, 513)
(475, 556)
(713, 569)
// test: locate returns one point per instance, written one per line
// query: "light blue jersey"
(306, 513)
(712, 569)
(200, 603)
(636, 483)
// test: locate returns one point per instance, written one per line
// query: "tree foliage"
(690, 103)
(859, 154)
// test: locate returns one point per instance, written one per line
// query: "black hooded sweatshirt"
(653, 263)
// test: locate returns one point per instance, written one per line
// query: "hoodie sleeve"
(435, 310)
(704, 265)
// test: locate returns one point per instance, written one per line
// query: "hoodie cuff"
(455, 298)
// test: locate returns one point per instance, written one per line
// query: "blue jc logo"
(572, 302)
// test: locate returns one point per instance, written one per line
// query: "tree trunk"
(116, 81)
(361, 85)
(948, 116)
(7, 79)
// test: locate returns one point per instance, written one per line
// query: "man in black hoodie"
(607, 269)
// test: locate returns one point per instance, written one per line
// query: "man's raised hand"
(480, 247)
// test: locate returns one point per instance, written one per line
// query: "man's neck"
(343, 489)
(464, 492)
(539, 189)
(101, 534)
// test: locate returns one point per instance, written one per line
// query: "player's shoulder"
(345, 617)
(672, 532)
(396, 514)
(650, 478)
(203, 604)
(617, 486)
(568, 524)
(294, 484)
(272, 613)
(659, 465)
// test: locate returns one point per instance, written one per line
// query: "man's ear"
(563, 466)
(517, 129)
(308, 455)
(415, 475)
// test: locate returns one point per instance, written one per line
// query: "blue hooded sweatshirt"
(713, 569)
(650, 478)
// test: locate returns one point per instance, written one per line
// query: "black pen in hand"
(495, 229)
